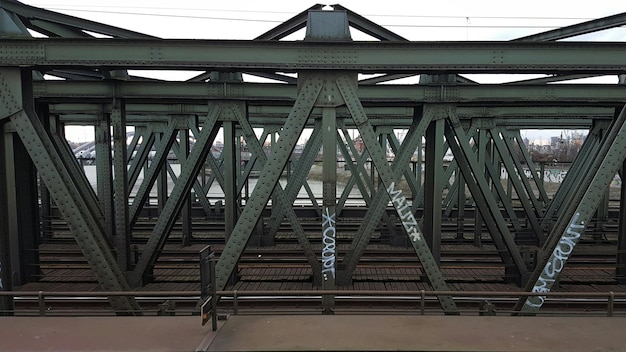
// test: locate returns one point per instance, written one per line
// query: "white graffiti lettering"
(328, 238)
(404, 212)
(556, 263)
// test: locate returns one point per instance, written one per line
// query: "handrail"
(236, 295)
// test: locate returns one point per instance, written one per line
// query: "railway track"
(283, 266)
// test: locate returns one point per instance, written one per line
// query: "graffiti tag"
(404, 211)
(328, 239)
(556, 262)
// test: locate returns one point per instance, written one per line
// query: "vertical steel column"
(104, 173)
(620, 266)
(460, 218)
(6, 284)
(23, 207)
(433, 187)
(161, 182)
(230, 182)
(120, 186)
(45, 210)
(186, 211)
(329, 184)
(230, 178)
(481, 142)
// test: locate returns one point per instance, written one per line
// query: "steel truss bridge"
(319, 95)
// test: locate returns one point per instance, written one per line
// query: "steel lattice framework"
(319, 90)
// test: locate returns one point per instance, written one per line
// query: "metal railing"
(347, 301)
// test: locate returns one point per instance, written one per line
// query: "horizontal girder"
(371, 57)
(264, 93)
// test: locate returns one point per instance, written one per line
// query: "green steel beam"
(197, 187)
(29, 12)
(387, 177)
(52, 29)
(22, 235)
(290, 26)
(120, 186)
(409, 175)
(268, 179)
(574, 219)
(155, 167)
(510, 153)
(229, 170)
(364, 57)
(279, 196)
(578, 29)
(620, 258)
(519, 180)
(496, 95)
(537, 178)
(137, 136)
(493, 170)
(71, 204)
(139, 158)
(575, 173)
(297, 179)
(76, 171)
(104, 173)
(216, 166)
(368, 27)
(6, 166)
(329, 205)
(433, 187)
(379, 199)
(174, 203)
(544, 117)
(358, 174)
(473, 172)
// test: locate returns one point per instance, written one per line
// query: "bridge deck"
(314, 332)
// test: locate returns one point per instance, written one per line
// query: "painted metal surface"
(325, 98)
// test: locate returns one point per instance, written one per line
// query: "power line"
(280, 21)
(75, 8)
(170, 15)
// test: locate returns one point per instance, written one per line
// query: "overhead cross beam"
(364, 57)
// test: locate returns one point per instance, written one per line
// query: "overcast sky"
(415, 20)
(454, 20)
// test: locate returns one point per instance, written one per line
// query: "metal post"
(207, 287)
(620, 266)
(42, 304)
(120, 185)
(611, 304)
(6, 302)
(433, 187)
(329, 230)
(186, 211)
